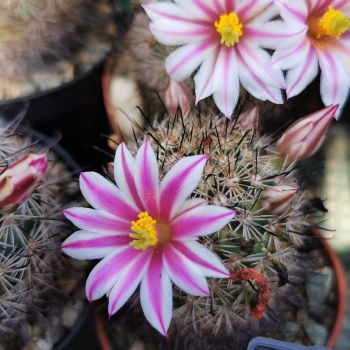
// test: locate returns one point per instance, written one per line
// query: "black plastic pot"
(261, 343)
(75, 110)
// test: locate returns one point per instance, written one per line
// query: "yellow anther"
(230, 28)
(333, 23)
(144, 233)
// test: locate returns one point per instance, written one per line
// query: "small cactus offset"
(31, 230)
(245, 173)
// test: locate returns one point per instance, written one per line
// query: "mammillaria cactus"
(258, 246)
(31, 230)
(41, 37)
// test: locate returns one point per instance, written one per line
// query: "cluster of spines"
(30, 238)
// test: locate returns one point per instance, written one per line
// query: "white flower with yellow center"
(225, 40)
(324, 43)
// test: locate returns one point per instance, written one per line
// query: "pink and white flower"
(145, 231)
(324, 43)
(224, 38)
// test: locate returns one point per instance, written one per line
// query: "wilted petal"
(128, 280)
(200, 221)
(186, 275)
(105, 274)
(203, 258)
(104, 195)
(146, 175)
(156, 295)
(86, 245)
(97, 221)
(179, 183)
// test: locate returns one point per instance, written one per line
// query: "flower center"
(230, 28)
(144, 233)
(333, 23)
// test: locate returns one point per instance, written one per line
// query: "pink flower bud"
(304, 137)
(250, 118)
(19, 180)
(277, 199)
(178, 95)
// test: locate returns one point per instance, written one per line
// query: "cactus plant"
(259, 246)
(58, 38)
(31, 230)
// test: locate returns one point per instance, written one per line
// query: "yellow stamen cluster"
(144, 232)
(333, 23)
(230, 28)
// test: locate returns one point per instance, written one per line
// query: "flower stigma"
(144, 233)
(230, 28)
(333, 23)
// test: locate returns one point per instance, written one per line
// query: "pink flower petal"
(204, 80)
(189, 205)
(97, 221)
(156, 295)
(186, 275)
(200, 221)
(128, 280)
(199, 8)
(173, 32)
(124, 174)
(105, 274)
(167, 10)
(226, 81)
(292, 56)
(261, 81)
(179, 183)
(294, 11)
(181, 63)
(146, 175)
(249, 9)
(104, 195)
(86, 245)
(202, 257)
(274, 34)
(335, 80)
(299, 77)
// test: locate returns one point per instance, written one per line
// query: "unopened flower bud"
(178, 95)
(277, 199)
(19, 180)
(304, 137)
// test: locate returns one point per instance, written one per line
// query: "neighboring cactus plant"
(244, 172)
(58, 37)
(31, 231)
